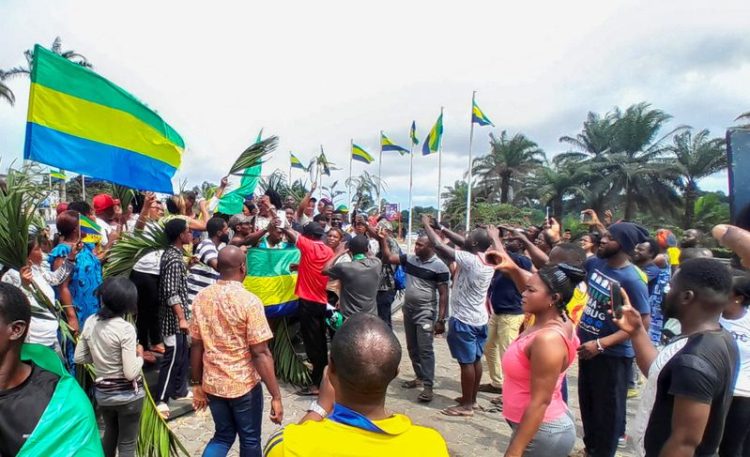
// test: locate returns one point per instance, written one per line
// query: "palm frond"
(254, 155)
(124, 194)
(132, 246)
(289, 368)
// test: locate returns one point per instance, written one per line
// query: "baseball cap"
(61, 207)
(102, 202)
(313, 229)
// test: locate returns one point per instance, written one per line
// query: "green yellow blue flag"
(478, 116)
(413, 133)
(360, 155)
(387, 145)
(84, 123)
(270, 278)
(296, 163)
(91, 232)
(58, 175)
(68, 425)
(432, 142)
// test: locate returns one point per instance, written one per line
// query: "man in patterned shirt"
(173, 316)
(230, 356)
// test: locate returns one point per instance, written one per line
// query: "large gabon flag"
(81, 122)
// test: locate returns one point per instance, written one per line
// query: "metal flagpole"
(380, 169)
(411, 184)
(83, 188)
(290, 169)
(471, 140)
(440, 171)
(351, 160)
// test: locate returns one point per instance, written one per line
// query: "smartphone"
(281, 216)
(547, 217)
(615, 291)
(585, 217)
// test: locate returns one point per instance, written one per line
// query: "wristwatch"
(195, 383)
(317, 409)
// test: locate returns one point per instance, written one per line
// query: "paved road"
(484, 434)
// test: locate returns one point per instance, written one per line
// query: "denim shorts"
(555, 438)
(466, 342)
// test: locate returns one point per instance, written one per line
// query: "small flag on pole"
(359, 154)
(90, 230)
(478, 117)
(323, 162)
(413, 133)
(85, 123)
(57, 175)
(296, 163)
(387, 145)
(432, 142)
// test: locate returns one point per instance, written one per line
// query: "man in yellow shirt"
(349, 418)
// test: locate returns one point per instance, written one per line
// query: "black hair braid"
(562, 279)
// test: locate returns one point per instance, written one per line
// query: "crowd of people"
(527, 301)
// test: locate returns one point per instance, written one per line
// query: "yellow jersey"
(346, 433)
(673, 254)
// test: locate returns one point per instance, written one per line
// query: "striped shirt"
(172, 290)
(201, 274)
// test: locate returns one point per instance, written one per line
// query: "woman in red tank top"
(535, 363)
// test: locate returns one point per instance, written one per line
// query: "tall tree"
(510, 158)
(56, 47)
(454, 203)
(698, 156)
(364, 190)
(636, 162)
(551, 185)
(595, 138)
(5, 92)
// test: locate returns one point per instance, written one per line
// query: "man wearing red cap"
(106, 209)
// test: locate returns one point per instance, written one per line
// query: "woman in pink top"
(535, 363)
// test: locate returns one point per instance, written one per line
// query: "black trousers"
(173, 370)
(384, 301)
(736, 440)
(312, 320)
(121, 425)
(147, 320)
(602, 396)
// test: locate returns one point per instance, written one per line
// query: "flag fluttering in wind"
(237, 190)
(387, 145)
(58, 175)
(413, 133)
(478, 116)
(270, 278)
(82, 122)
(296, 163)
(432, 142)
(324, 164)
(359, 154)
(91, 232)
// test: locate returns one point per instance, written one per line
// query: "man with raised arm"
(467, 327)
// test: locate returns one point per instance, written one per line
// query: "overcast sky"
(327, 72)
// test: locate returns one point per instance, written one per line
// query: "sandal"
(497, 401)
(307, 392)
(457, 411)
(426, 396)
(163, 410)
(475, 406)
(413, 384)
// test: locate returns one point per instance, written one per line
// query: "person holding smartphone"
(606, 352)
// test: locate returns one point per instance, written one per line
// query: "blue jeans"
(236, 416)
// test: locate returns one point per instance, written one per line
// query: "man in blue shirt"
(606, 352)
(506, 319)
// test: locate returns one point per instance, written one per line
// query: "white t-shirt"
(106, 230)
(151, 261)
(469, 294)
(740, 330)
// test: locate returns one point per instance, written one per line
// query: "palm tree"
(56, 47)
(364, 190)
(5, 92)
(509, 159)
(454, 203)
(636, 164)
(744, 117)
(595, 138)
(551, 185)
(698, 156)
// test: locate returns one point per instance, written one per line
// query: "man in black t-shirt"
(691, 381)
(34, 385)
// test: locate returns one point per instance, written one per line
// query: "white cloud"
(326, 72)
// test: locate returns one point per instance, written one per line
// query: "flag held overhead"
(413, 133)
(80, 121)
(296, 163)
